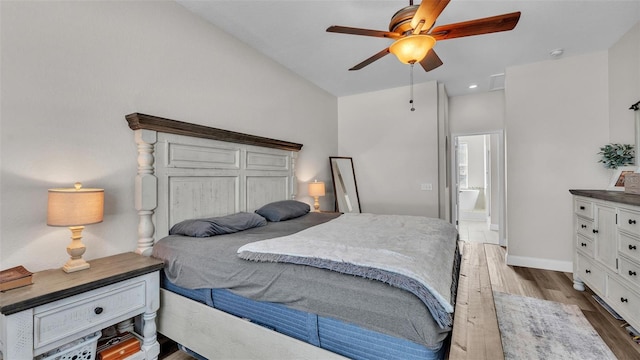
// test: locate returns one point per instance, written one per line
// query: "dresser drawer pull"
(595, 231)
(581, 207)
(583, 244)
(624, 300)
(632, 273)
(583, 226)
(98, 310)
(588, 271)
(632, 222)
(632, 247)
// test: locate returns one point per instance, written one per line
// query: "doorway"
(478, 179)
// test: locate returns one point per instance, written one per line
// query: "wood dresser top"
(614, 196)
(55, 284)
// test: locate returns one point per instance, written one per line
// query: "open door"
(477, 198)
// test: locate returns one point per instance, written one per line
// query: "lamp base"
(75, 250)
(74, 265)
(316, 204)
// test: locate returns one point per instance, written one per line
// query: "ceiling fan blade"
(488, 25)
(431, 61)
(370, 60)
(364, 32)
(428, 12)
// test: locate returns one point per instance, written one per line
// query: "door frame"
(501, 191)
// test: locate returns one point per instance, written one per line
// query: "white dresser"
(607, 249)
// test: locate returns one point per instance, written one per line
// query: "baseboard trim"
(538, 263)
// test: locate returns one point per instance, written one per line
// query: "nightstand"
(59, 308)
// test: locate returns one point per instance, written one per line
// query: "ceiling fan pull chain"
(411, 89)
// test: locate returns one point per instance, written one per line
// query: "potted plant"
(616, 155)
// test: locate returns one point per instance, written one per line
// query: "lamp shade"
(316, 188)
(412, 48)
(75, 206)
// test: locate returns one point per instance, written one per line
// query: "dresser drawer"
(630, 246)
(623, 300)
(585, 245)
(592, 275)
(584, 208)
(59, 319)
(629, 221)
(630, 271)
(584, 227)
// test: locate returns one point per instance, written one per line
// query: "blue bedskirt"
(336, 336)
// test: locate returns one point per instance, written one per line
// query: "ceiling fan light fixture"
(413, 48)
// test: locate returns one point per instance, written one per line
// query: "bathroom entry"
(478, 176)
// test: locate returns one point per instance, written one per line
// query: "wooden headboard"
(190, 171)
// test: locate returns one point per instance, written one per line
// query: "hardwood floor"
(475, 333)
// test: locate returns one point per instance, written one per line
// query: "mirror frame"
(338, 191)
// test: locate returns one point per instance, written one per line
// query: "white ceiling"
(293, 34)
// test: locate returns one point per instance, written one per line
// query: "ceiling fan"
(412, 28)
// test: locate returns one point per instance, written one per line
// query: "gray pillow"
(283, 210)
(218, 225)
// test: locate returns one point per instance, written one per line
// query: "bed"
(188, 171)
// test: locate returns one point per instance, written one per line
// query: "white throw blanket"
(411, 252)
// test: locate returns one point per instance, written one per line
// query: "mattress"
(212, 263)
(334, 335)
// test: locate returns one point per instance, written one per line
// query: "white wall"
(556, 120)
(565, 110)
(624, 85)
(475, 160)
(394, 150)
(477, 113)
(71, 71)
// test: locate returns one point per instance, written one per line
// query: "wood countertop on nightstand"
(55, 284)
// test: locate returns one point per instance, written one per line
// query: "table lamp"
(316, 189)
(75, 207)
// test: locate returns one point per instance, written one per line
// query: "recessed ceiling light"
(556, 53)
(473, 86)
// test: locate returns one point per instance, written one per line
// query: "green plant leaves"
(616, 155)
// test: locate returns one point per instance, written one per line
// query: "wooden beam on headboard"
(139, 121)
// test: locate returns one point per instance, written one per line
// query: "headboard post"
(146, 189)
(294, 179)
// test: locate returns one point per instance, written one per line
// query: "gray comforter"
(408, 252)
(213, 263)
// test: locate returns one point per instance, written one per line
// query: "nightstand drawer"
(59, 319)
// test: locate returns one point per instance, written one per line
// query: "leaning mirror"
(344, 184)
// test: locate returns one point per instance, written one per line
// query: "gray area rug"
(532, 328)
